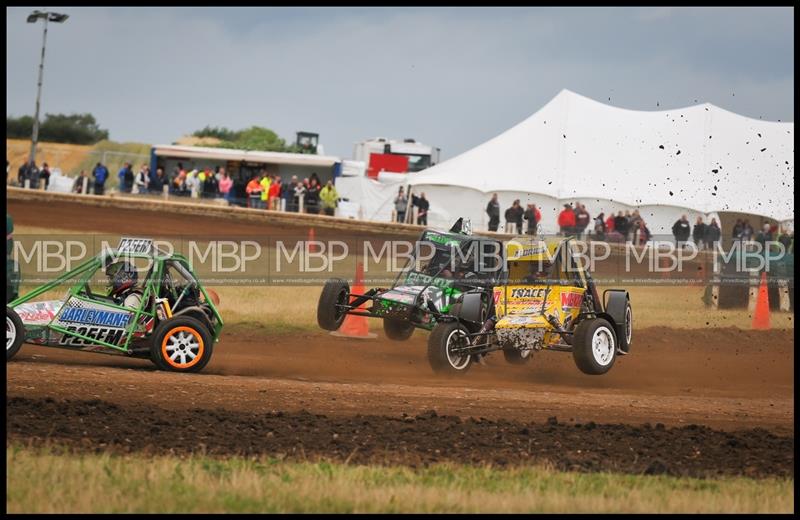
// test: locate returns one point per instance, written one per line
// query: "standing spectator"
(681, 230)
(312, 194)
(77, 186)
(44, 175)
(699, 233)
(179, 185)
(712, 234)
(299, 195)
(193, 185)
(275, 194)
(33, 176)
(225, 185)
(566, 220)
(266, 181)
(633, 224)
(600, 226)
(157, 182)
(125, 178)
(530, 216)
(423, 206)
(142, 180)
(621, 225)
(493, 210)
(100, 174)
(609, 227)
(736, 233)
(514, 216)
(178, 171)
(400, 204)
(582, 220)
(628, 225)
(641, 234)
(785, 239)
(287, 193)
(330, 198)
(747, 231)
(762, 237)
(22, 173)
(254, 192)
(210, 185)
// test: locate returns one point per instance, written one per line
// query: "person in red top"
(566, 220)
(275, 194)
(610, 223)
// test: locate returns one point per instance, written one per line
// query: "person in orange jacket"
(253, 190)
(566, 220)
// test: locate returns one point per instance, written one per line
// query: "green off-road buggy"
(442, 268)
(169, 318)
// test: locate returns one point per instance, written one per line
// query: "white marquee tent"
(699, 160)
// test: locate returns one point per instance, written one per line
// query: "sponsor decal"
(415, 278)
(571, 299)
(38, 312)
(441, 239)
(528, 292)
(135, 245)
(529, 251)
(108, 334)
(95, 317)
(398, 296)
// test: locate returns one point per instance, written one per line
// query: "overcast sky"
(450, 77)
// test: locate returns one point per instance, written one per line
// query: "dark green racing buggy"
(444, 266)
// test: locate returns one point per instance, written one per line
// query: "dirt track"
(287, 397)
(726, 379)
(674, 377)
(413, 440)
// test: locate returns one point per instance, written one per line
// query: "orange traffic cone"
(311, 243)
(761, 315)
(356, 326)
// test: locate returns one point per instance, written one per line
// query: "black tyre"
(181, 344)
(336, 292)
(397, 330)
(517, 357)
(15, 333)
(625, 340)
(594, 346)
(444, 337)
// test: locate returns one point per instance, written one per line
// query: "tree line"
(58, 128)
(253, 138)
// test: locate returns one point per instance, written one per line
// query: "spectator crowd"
(629, 226)
(261, 191)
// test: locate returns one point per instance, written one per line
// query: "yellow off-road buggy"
(544, 299)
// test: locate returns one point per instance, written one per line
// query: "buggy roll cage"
(152, 291)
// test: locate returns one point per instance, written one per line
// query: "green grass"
(45, 481)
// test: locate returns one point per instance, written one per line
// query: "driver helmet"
(122, 276)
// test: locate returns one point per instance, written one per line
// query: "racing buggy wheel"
(15, 333)
(181, 344)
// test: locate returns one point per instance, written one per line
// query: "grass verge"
(47, 481)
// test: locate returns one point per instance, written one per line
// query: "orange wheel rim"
(182, 347)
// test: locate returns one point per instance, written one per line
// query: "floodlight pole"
(35, 136)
